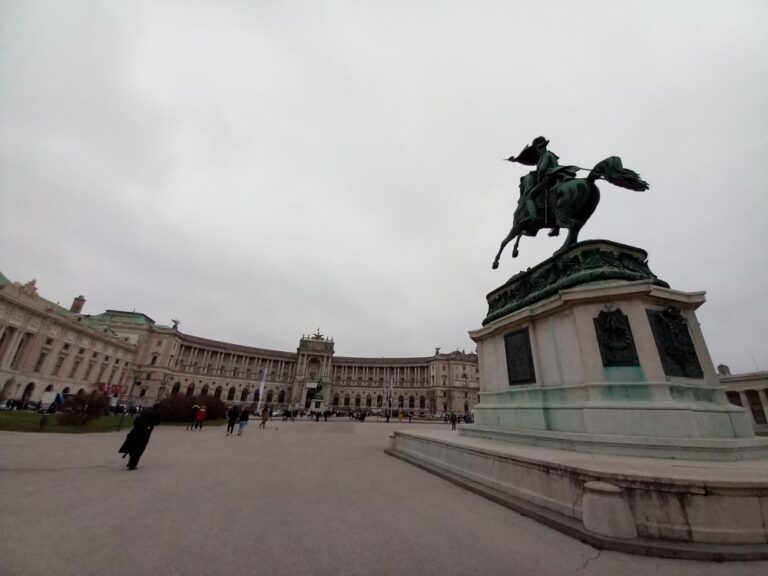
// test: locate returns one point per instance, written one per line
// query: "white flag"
(261, 391)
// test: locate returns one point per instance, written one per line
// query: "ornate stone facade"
(157, 360)
(45, 348)
(749, 391)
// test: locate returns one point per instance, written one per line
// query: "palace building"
(47, 348)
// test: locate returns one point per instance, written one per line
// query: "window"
(753, 399)
(40, 361)
(75, 366)
(231, 393)
(153, 361)
(59, 362)
(176, 388)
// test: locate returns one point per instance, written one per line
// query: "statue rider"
(548, 173)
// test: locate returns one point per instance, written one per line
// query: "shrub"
(80, 409)
(177, 408)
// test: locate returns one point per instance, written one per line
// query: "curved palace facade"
(47, 348)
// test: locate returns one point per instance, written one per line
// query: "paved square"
(297, 499)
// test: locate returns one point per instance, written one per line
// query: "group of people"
(457, 419)
(197, 416)
(238, 416)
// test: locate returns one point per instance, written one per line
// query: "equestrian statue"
(551, 196)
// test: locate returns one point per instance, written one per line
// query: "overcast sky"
(261, 169)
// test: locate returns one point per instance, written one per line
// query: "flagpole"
(261, 391)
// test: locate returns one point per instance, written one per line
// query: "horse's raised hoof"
(514, 253)
(495, 264)
(554, 232)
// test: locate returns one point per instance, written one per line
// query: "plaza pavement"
(301, 498)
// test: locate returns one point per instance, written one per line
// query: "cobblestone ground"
(300, 498)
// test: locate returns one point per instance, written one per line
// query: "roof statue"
(551, 196)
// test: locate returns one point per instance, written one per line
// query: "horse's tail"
(612, 170)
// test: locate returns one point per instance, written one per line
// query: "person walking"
(264, 418)
(200, 418)
(138, 438)
(453, 421)
(193, 417)
(232, 416)
(244, 415)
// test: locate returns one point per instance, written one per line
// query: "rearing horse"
(569, 204)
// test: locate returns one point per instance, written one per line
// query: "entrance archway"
(7, 389)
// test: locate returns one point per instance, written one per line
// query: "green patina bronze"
(590, 261)
(552, 197)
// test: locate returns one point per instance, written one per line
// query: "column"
(11, 350)
(745, 405)
(763, 394)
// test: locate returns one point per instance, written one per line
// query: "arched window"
(231, 393)
(256, 395)
(357, 401)
(400, 402)
(269, 396)
(346, 400)
(466, 407)
(411, 402)
(204, 391)
(422, 402)
(379, 401)
(80, 392)
(244, 395)
(281, 397)
(49, 388)
(190, 390)
(27, 392)
(65, 392)
(142, 392)
(368, 401)
(176, 388)
(217, 392)
(335, 399)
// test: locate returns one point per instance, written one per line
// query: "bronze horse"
(569, 204)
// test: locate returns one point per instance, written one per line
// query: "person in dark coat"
(244, 415)
(138, 437)
(232, 416)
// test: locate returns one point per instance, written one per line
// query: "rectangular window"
(88, 371)
(753, 399)
(59, 362)
(75, 366)
(41, 361)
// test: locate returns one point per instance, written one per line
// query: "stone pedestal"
(589, 358)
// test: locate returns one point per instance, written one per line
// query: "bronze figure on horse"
(551, 196)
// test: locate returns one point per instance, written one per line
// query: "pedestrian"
(244, 415)
(232, 416)
(193, 417)
(453, 421)
(200, 418)
(138, 437)
(264, 418)
(410, 416)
